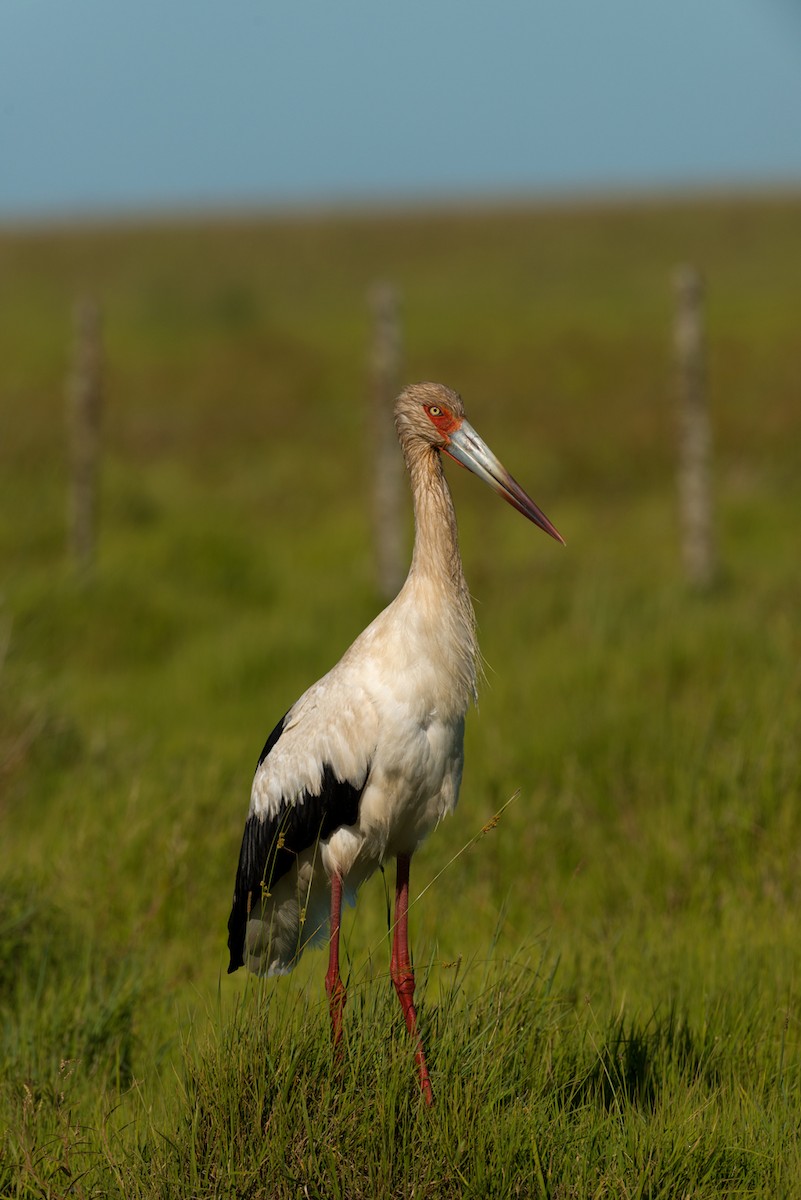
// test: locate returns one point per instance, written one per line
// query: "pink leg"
(402, 971)
(333, 983)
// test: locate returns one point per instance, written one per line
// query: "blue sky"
(116, 107)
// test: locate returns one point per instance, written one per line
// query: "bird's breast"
(420, 677)
(414, 782)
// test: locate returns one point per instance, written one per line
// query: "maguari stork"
(369, 760)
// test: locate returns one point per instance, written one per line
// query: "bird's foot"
(425, 1081)
(404, 986)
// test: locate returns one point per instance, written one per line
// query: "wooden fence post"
(84, 405)
(388, 478)
(695, 439)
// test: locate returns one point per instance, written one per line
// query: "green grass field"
(608, 976)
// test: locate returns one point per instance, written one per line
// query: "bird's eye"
(441, 418)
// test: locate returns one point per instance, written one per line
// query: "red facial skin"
(443, 420)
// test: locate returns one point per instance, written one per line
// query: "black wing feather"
(270, 845)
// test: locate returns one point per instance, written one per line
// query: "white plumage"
(369, 759)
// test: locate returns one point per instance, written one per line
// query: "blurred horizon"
(377, 208)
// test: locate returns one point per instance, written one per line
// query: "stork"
(369, 760)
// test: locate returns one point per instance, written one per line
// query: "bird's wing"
(308, 782)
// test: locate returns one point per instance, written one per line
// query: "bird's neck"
(436, 571)
(436, 546)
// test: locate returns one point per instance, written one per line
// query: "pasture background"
(641, 894)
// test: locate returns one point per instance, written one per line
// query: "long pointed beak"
(467, 448)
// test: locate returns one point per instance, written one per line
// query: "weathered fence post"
(84, 403)
(388, 478)
(695, 440)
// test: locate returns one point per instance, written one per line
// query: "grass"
(607, 974)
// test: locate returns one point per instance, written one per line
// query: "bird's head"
(428, 412)
(431, 414)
